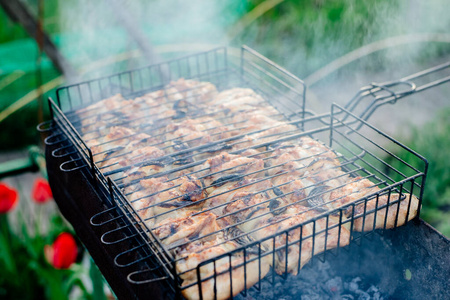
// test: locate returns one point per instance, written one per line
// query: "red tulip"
(8, 198)
(41, 191)
(63, 253)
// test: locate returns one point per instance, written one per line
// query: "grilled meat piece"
(260, 115)
(141, 155)
(140, 112)
(364, 213)
(102, 110)
(291, 185)
(264, 136)
(143, 162)
(268, 213)
(385, 203)
(295, 247)
(117, 136)
(248, 210)
(174, 232)
(194, 92)
(238, 97)
(117, 146)
(223, 195)
(288, 156)
(195, 132)
(224, 277)
(220, 166)
(164, 197)
(150, 108)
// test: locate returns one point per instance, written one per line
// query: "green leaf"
(7, 245)
(98, 292)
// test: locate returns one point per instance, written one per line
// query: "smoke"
(301, 36)
(126, 31)
(415, 35)
(305, 37)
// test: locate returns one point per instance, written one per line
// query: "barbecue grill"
(135, 260)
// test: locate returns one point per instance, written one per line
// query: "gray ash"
(316, 281)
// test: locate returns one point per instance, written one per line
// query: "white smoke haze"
(92, 30)
(93, 33)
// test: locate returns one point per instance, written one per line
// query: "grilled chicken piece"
(351, 191)
(163, 197)
(364, 211)
(248, 210)
(177, 231)
(264, 136)
(291, 185)
(226, 167)
(89, 114)
(144, 112)
(114, 111)
(330, 175)
(224, 194)
(261, 115)
(100, 128)
(215, 276)
(311, 186)
(288, 156)
(326, 234)
(198, 131)
(195, 92)
(235, 101)
(305, 172)
(117, 136)
(236, 97)
(143, 161)
(149, 113)
(315, 192)
(120, 141)
(140, 155)
(252, 153)
(364, 214)
(132, 153)
(263, 214)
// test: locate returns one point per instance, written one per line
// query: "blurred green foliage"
(433, 141)
(304, 36)
(314, 32)
(9, 30)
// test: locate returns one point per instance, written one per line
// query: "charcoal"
(315, 282)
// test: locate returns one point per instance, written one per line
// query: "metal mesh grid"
(311, 234)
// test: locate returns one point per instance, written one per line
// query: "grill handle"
(378, 94)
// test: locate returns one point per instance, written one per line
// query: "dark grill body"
(133, 259)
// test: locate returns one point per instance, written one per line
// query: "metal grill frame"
(154, 259)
